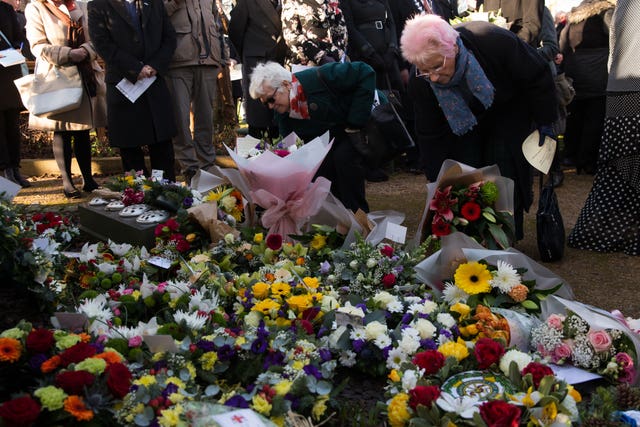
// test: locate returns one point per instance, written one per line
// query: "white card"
(160, 262)
(10, 189)
(160, 343)
(395, 232)
(156, 175)
(239, 418)
(132, 91)
(539, 157)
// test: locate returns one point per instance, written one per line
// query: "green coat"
(343, 99)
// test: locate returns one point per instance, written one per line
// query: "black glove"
(545, 130)
(376, 61)
(358, 139)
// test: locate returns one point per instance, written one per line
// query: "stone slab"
(105, 225)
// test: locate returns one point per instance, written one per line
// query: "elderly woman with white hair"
(335, 97)
(478, 92)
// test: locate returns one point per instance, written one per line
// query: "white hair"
(267, 74)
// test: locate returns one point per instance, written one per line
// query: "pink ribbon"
(285, 217)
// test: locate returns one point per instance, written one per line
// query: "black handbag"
(549, 225)
(388, 120)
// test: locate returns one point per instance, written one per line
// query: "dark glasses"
(270, 100)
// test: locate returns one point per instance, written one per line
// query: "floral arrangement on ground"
(192, 329)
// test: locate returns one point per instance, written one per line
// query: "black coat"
(150, 119)
(524, 96)
(255, 31)
(10, 98)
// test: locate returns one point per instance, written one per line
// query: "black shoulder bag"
(549, 225)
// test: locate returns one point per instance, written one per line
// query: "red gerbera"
(440, 227)
(471, 211)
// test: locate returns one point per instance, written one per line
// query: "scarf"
(468, 72)
(298, 100)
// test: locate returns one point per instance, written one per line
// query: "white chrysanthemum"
(410, 379)
(47, 245)
(505, 277)
(513, 355)
(465, 406)
(146, 288)
(395, 307)
(199, 301)
(357, 334)
(193, 320)
(446, 320)
(396, 358)
(96, 308)
(453, 294)
(425, 328)
(347, 358)
(374, 329)
(126, 332)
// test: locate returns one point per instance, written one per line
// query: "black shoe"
(8, 174)
(377, 175)
(556, 179)
(74, 194)
(89, 186)
(19, 179)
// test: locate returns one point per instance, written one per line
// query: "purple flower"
(169, 389)
(237, 401)
(406, 318)
(313, 370)
(225, 352)
(187, 202)
(325, 267)
(428, 344)
(398, 269)
(259, 346)
(206, 346)
(36, 361)
(325, 354)
(358, 345)
(273, 358)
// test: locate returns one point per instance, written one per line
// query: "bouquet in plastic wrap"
(588, 338)
(283, 186)
(476, 202)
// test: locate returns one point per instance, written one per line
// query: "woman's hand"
(147, 71)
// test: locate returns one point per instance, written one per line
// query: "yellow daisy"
(473, 278)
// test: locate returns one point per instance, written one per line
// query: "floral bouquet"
(282, 185)
(71, 379)
(465, 271)
(476, 202)
(588, 338)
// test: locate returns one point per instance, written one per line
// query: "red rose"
(22, 411)
(538, 371)
(488, 352)
(423, 395)
(274, 241)
(498, 413)
(74, 382)
(430, 360)
(77, 353)
(470, 211)
(304, 324)
(388, 280)
(118, 379)
(40, 340)
(387, 251)
(440, 227)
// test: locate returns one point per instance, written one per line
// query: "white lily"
(465, 406)
(119, 249)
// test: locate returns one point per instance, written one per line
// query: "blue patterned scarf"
(470, 73)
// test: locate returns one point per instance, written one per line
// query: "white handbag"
(51, 91)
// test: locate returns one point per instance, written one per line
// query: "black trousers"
(344, 167)
(9, 139)
(160, 154)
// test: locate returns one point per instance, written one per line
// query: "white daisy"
(396, 358)
(505, 278)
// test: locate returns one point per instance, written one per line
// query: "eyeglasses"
(271, 99)
(435, 71)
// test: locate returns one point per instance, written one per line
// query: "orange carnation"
(84, 337)
(109, 357)
(76, 407)
(10, 350)
(519, 293)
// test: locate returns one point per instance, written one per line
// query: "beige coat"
(47, 37)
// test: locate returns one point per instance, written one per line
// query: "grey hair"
(267, 74)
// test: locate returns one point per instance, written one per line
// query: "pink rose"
(600, 340)
(561, 353)
(555, 321)
(624, 360)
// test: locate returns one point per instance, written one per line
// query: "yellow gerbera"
(473, 278)
(266, 306)
(318, 242)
